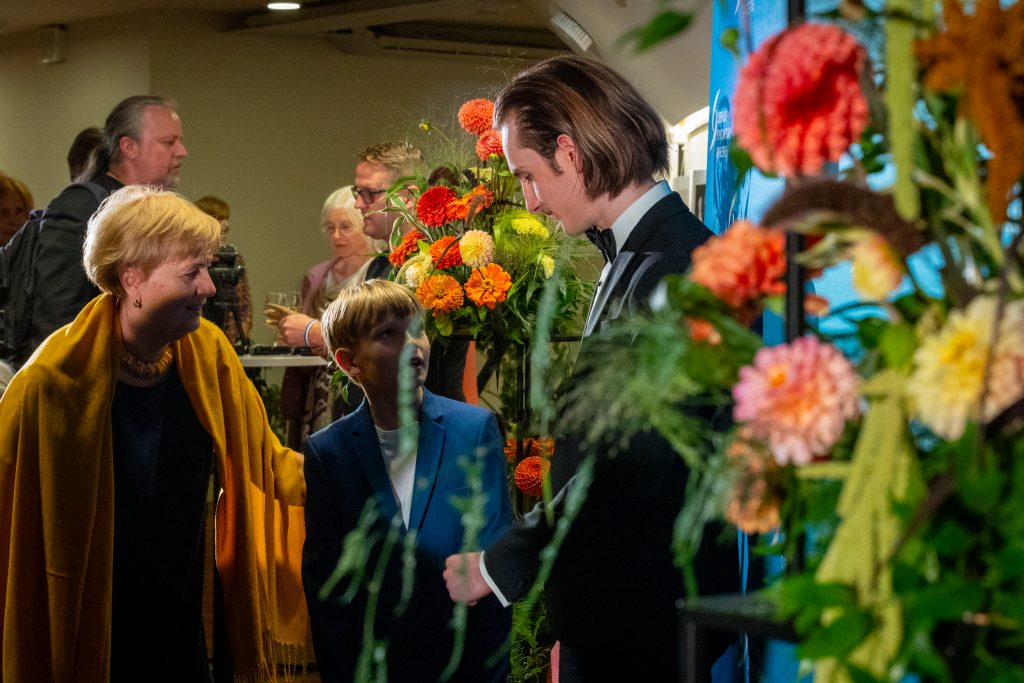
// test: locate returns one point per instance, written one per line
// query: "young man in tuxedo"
(586, 147)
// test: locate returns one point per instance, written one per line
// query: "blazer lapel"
(619, 265)
(428, 459)
(367, 447)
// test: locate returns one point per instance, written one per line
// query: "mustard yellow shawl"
(57, 505)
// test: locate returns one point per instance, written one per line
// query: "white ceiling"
(673, 76)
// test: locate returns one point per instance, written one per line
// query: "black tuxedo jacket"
(612, 592)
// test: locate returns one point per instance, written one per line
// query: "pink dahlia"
(799, 103)
(797, 397)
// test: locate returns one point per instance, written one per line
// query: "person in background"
(356, 464)
(377, 169)
(16, 203)
(86, 144)
(307, 402)
(586, 146)
(220, 210)
(148, 398)
(142, 144)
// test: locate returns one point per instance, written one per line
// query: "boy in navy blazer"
(356, 463)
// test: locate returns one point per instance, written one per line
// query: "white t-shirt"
(401, 471)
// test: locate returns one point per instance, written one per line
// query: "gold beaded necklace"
(140, 369)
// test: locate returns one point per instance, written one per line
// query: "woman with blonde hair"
(108, 436)
(307, 402)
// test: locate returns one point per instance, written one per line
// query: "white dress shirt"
(401, 471)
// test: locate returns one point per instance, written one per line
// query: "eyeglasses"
(330, 228)
(366, 194)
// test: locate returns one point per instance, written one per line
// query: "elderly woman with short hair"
(307, 403)
(108, 436)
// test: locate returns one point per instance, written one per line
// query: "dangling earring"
(137, 301)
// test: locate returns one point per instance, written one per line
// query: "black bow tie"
(604, 240)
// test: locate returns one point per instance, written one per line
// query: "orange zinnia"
(444, 254)
(488, 285)
(440, 294)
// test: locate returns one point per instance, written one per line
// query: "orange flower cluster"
(432, 206)
(757, 497)
(543, 446)
(445, 253)
(489, 143)
(440, 293)
(743, 265)
(479, 198)
(475, 116)
(488, 285)
(405, 248)
(983, 56)
(530, 475)
(798, 102)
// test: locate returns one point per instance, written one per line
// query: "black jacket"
(613, 589)
(62, 288)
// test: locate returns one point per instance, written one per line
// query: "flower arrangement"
(476, 258)
(886, 447)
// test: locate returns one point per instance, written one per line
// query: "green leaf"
(838, 638)
(730, 40)
(870, 331)
(663, 26)
(444, 324)
(1010, 560)
(945, 601)
(951, 538)
(898, 343)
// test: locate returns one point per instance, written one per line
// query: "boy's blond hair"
(358, 309)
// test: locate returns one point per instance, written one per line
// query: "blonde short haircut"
(400, 158)
(144, 226)
(358, 309)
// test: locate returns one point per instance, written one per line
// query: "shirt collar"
(628, 219)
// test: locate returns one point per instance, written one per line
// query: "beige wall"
(272, 125)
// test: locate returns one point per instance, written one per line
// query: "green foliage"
(531, 644)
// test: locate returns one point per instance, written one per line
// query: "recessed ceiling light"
(283, 5)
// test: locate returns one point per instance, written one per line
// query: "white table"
(281, 360)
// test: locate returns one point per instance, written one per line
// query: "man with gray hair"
(142, 145)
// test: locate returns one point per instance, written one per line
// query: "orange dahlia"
(798, 102)
(476, 115)
(440, 294)
(405, 248)
(445, 254)
(742, 265)
(488, 285)
(489, 143)
(530, 475)
(432, 207)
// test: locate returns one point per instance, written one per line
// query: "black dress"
(162, 460)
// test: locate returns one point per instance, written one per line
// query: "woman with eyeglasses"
(306, 402)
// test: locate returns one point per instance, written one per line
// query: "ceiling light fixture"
(283, 5)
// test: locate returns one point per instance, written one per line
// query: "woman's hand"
(291, 328)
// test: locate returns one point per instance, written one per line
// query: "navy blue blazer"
(344, 470)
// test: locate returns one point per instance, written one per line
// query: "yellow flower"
(877, 270)
(528, 225)
(950, 367)
(415, 271)
(548, 264)
(477, 248)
